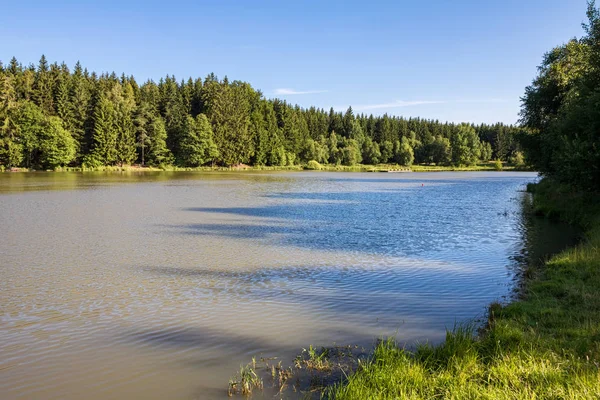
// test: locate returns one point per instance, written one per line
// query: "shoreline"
(382, 168)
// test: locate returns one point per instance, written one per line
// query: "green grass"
(546, 345)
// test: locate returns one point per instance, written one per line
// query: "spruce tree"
(42, 87)
(157, 153)
(104, 137)
(197, 145)
(124, 126)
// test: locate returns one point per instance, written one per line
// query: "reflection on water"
(158, 285)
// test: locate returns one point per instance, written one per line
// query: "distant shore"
(390, 168)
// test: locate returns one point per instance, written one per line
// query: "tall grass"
(546, 345)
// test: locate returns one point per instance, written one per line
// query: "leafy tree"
(560, 109)
(403, 152)
(56, 145)
(351, 154)
(465, 146)
(30, 121)
(440, 151)
(486, 151)
(370, 152)
(387, 151)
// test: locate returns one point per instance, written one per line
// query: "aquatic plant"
(244, 382)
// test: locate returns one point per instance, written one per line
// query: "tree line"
(51, 116)
(561, 111)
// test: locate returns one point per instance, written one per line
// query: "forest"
(51, 117)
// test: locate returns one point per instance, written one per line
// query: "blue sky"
(450, 60)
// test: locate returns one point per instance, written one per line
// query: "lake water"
(159, 285)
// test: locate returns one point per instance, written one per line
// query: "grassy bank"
(545, 345)
(486, 166)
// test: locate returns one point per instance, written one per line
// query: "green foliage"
(11, 150)
(403, 152)
(104, 135)
(313, 165)
(387, 151)
(351, 154)
(126, 138)
(465, 146)
(560, 110)
(370, 152)
(56, 146)
(29, 122)
(438, 151)
(486, 151)
(197, 145)
(157, 152)
(228, 108)
(517, 159)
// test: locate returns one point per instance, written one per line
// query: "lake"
(159, 285)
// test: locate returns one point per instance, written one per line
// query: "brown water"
(159, 285)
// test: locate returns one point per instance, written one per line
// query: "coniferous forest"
(52, 117)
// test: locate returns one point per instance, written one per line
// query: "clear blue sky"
(466, 60)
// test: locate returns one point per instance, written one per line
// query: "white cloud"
(286, 92)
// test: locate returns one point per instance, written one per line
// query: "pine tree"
(124, 126)
(104, 137)
(228, 107)
(42, 87)
(157, 151)
(197, 145)
(62, 103)
(11, 151)
(80, 109)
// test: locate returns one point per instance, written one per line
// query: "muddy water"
(159, 285)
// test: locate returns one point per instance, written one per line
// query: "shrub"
(313, 165)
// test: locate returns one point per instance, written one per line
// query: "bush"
(498, 165)
(313, 165)
(517, 159)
